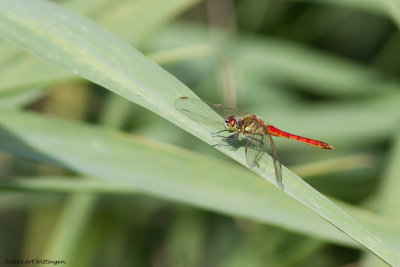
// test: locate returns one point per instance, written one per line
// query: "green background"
(88, 177)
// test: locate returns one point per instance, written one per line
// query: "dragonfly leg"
(234, 139)
(216, 134)
(234, 136)
(223, 136)
(257, 140)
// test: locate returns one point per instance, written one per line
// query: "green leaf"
(73, 42)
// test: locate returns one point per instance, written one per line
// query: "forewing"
(198, 111)
(205, 112)
(226, 112)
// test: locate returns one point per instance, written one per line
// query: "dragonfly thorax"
(231, 124)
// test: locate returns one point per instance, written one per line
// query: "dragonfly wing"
(254, 149)
(277, 163)
(226, 112)
(204, 112)
(198, 111)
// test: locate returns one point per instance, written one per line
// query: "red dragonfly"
(239, 122)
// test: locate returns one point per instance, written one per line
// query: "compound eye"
(231, 121)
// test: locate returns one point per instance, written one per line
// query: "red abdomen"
(276, 132)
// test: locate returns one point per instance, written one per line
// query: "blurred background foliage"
(323, 69)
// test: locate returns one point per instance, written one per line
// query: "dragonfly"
(240, 123)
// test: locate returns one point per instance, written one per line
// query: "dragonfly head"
(231, 124)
